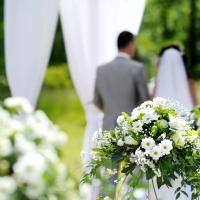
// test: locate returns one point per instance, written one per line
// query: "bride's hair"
(172, 46)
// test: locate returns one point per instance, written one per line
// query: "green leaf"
(178, 195)
(159, 182)
(150, 174)
(178, 190)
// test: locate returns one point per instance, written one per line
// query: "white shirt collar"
(123, 55)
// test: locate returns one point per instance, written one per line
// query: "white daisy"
(156, 153)
(148, 143)
(166, 146)
(137, 126)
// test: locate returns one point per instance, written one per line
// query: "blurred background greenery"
(165, 21)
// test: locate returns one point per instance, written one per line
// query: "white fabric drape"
(29, 33)
(90, 39)
(90, 30)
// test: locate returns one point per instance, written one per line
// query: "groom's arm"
(141, 85)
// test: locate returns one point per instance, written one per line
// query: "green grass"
(64, 108)
(60, 102)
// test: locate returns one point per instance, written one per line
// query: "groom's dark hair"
(124, 39)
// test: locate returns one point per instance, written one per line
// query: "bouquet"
(158, 140)
(30, 165)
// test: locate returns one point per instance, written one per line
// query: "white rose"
(120, 142)
(179, 140)
(177, 123)
(130, 141)
(164, 123)
(120, 120)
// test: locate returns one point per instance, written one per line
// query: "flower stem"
(154, 190)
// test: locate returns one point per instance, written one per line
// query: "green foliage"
(58, 77)
(167, 22)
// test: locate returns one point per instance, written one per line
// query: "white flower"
(7, 185)
(85, 190)
(137, 126)
(178, 139)
(120, 120)
(130, 141)
(4, 116)
(96, 135)
(139, 193)
(30, 167)
(166, 146)
(35, 189)
(120, 142)
(149, 116)
(23, 145)
(198, 123)
(135, 114)
(163, 123)
(148, 143)
(5, 147)
(177, 123)
(4, 196)
(147, 104)
(159, 101)
(107, 198)
(49, 153)
(19, 103)
(156, 153)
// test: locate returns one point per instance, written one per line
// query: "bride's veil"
(172, 79)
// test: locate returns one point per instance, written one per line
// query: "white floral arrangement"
(158, 140)
(30, 165)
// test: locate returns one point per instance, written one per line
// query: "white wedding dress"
(172, 83)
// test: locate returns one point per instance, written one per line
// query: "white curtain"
(90, 31)
(29, 33)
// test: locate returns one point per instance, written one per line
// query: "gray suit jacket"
(120, 86)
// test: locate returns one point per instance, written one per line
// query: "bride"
(173, 79)
(173, 82)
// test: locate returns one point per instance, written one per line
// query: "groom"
(120, 84)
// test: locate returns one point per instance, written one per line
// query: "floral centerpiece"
(156, 139)
(30, 165)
